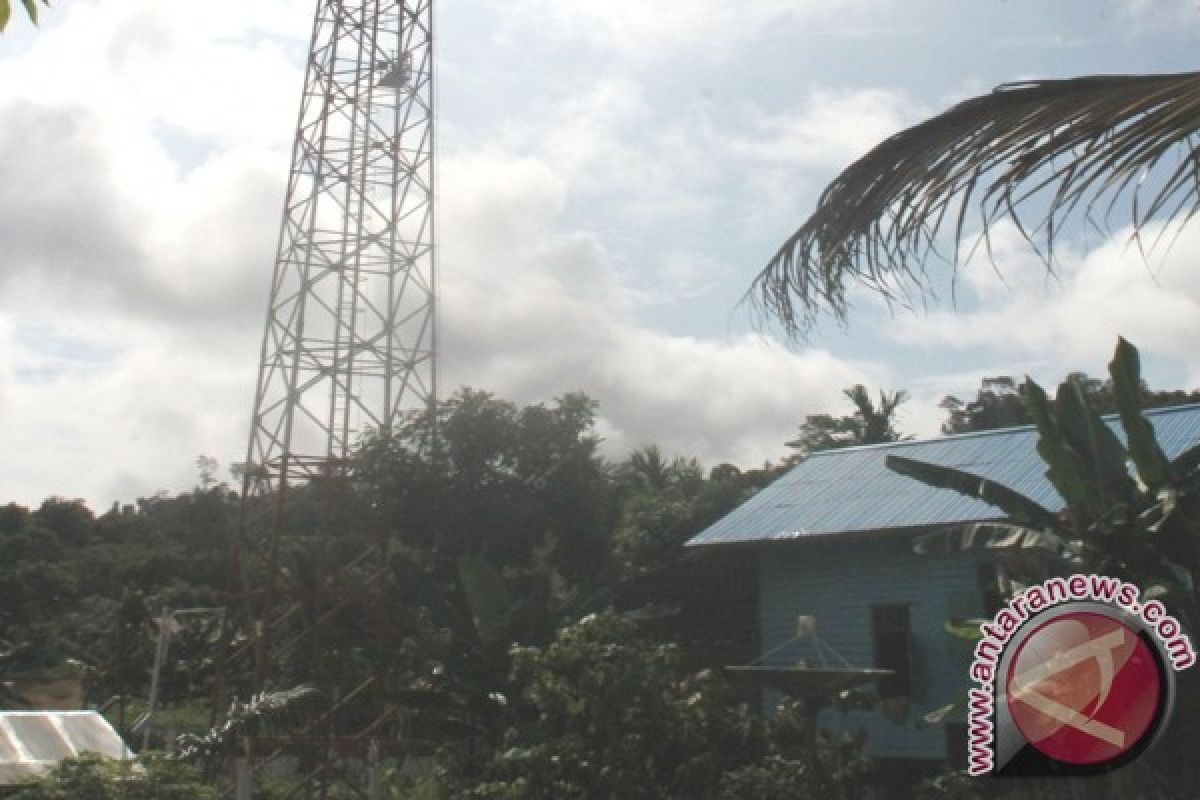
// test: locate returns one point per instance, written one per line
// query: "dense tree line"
(78, 591)
(1001, 402)
(505, 538)
(539, 630)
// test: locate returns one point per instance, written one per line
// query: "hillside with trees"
(542, 633)
(514, 547)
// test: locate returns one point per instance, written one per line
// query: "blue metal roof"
(848, 490)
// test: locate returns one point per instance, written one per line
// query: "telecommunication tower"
(350, 337)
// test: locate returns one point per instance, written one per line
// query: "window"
(893, 637)
(956, 745)
(990, 585)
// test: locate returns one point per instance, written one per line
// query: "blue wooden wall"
(838, 579)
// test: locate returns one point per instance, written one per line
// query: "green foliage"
(774, 778)
(428, 787)
(1086, 459)
(1000, 401)
(518, 487)
(605, 711)
(1152, 465)
(93, 777)
(664, 502)
(1143, 530)
(602, 712)
(13, 518)
(495, 540)
(870, 423)
(76, 589)
(952, 786)
(487, 598)
(263, 713)
(997, 404)
(651, 532)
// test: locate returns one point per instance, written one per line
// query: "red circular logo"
(1084, 688)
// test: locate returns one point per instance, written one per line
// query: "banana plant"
(1128, 510)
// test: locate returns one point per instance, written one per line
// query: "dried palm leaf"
(1043, 154)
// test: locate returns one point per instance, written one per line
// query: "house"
(840, 582)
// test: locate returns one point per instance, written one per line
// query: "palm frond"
(1043, 154)
(264, 709)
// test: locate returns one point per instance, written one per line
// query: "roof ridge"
(1161, 410)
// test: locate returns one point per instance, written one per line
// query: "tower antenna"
(349, 347)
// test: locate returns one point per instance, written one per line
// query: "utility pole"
(166, 625)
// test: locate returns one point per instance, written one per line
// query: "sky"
(611, 178)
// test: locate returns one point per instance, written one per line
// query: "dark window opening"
(893, 641)
(990, 586)
(956, 745)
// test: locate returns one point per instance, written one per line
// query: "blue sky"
(612, 177)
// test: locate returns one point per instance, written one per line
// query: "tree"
(604, 711)
(512, 485)
(660, 496)
(30, 8)
(1000, 402)
(1043, 154)
(869, 424)
(93, 777)
(648, 469)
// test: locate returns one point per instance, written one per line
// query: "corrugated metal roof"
(33, 741)
(842, 491)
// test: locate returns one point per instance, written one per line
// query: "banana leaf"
(1102, 456)
(1016, 505)
(1064, 467)
(488, 598)
(1126, 371)
(989, 536)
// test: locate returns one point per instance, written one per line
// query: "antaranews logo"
(1074, 676)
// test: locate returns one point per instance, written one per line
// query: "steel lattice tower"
(350, 336)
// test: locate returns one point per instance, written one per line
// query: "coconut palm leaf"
(30, 8)
(1042, 154)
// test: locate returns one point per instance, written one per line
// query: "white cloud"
(611, 143)
(534, 311)
(831, 127)
(140, 231)
(99, 409)
(181, 65)
(645, 32)
(655, 167)
(590, 181)
(786, 156)
(87, 226)
(139, 217)
(1016, 311)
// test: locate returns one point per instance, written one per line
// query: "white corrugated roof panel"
(33, 741)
